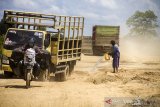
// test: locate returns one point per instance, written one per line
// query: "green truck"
(101, 37)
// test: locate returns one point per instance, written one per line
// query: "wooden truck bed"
(66, 45)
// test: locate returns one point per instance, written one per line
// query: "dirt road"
(91, 82)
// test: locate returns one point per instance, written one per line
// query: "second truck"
(101, 37)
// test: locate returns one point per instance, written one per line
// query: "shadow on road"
(18, 86)
(1, 76)
(13, 77)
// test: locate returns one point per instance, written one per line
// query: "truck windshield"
(18, 38)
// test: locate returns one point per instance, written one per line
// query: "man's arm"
(37, 49)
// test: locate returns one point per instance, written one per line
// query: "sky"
(96, 12)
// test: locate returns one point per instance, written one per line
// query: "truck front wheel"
(71, 69)
(28, 79)
(62, 76)
(44, 75)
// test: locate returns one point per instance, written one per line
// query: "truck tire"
(8, 74)
(62, 76)
(28, 80)
(44, 75)
(71, 69)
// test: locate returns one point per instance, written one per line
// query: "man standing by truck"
(115, 53)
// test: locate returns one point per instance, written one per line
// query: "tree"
(143, 24)
(4, 27)
(1, 42)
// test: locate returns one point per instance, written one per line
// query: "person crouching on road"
(115, 53)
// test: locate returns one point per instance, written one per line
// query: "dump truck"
(101, 37)
(62, 33)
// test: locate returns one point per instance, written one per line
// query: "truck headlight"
(5, 60)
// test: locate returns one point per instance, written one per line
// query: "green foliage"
(3, 27)
(143, 24)
(1, 43)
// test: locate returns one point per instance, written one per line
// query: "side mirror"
(46, 43)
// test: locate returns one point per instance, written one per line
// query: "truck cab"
(16, 38)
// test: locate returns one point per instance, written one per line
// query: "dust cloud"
(140, 49)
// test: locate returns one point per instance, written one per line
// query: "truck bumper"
(6, 68)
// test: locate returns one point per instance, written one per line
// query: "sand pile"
(124, 76)
(103, 77)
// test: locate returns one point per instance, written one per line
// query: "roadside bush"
(1, 42)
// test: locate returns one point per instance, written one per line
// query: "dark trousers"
(115, 63)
